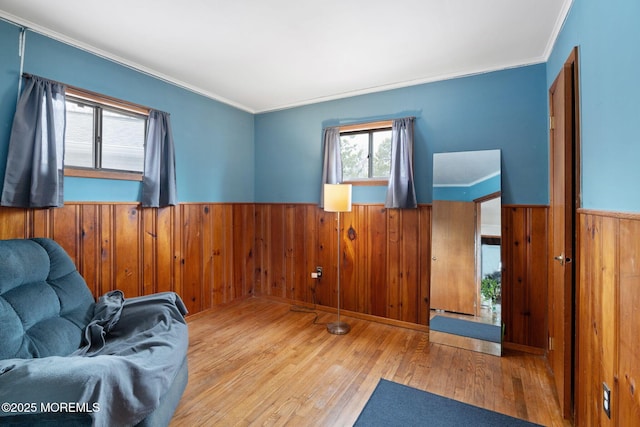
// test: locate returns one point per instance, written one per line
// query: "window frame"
(368, 127)
(105, 102)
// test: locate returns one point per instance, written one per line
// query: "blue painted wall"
(505, 109)
(221, 156)
(9, 63)
(214, 142)
(608, 35)
(225, 154)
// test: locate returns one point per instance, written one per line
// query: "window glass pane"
(79, 135)
(355, 156)
(122, 141)
(381, 154)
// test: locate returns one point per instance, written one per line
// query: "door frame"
(478, 245)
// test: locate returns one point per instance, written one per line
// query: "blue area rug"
(465, 328)
(393, 404)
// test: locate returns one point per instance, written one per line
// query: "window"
(104, 138)
(366, 153)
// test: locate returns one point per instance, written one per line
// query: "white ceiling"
(263, 55)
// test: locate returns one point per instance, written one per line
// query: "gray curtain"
(159, 179)
(332, 160)
(34, 176)
(401, 192)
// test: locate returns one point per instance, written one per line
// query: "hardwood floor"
(256, 362)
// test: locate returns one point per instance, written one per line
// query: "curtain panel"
(34, 175)
(401, 191)
(159, 178)
(332, 160)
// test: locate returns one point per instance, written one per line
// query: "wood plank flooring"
(257, 362)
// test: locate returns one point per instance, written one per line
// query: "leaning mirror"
(465, 251)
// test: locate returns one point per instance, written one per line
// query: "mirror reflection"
(465, 251)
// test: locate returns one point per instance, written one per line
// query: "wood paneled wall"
(202, 251)
(608, 319)
(524, 275)
(386, 262)
(385, 258)
(214, 253)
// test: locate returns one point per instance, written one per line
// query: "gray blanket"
(132, 353)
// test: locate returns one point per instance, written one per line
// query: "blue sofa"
(66, 359)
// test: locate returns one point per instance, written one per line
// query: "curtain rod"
(366, 122)
(89, 92)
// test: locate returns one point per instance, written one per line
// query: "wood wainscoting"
(385, 258)
(524, 275)
(202, 251)
(608, 319)
(214, 253)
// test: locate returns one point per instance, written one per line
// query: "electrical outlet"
(606, 399)
(318, 272)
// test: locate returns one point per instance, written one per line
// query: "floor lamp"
(337, 198)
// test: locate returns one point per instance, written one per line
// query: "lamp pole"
(338, 328)
(337, 198)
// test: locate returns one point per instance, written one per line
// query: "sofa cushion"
(44, 302)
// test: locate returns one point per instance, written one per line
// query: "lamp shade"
(337, 197)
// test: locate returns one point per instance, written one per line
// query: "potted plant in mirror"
(490, 288)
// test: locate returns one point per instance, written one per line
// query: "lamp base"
(338, 328)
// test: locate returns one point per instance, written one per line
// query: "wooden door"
(453, 265)
(562, 240)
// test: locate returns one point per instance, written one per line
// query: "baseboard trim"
(523, 348)
(355, 315)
